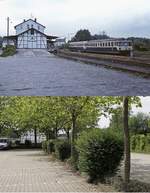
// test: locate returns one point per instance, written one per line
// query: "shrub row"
(99, 153)
(8, 51)
(140, 143)
(61, 148)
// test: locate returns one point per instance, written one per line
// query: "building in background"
(59, 42)
(29, 135)
(29, 35)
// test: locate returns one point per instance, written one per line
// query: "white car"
(4, 143)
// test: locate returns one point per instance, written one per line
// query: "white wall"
(35, 41)
(28, 25)
(11, 42)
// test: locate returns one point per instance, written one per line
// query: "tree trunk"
(73, 138)
(56, 133)
(127, 156)
(35, 137)
(68, 135)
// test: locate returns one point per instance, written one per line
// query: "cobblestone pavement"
(38, 73)
(141, 167)
(32, 171)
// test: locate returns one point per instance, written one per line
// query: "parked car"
(5, 143)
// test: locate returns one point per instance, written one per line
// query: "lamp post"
(8, 20)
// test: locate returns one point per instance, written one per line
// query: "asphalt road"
(38, 73)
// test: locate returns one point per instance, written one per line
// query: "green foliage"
(140, 143)
(139, 124)
(8, 51)
(141, 44)
(50, 146)
(82, 35)
(116, 121)
(62, 149)
(44, 146)
(100, 153)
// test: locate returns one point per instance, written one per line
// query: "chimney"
(24, 20)
(35, 20)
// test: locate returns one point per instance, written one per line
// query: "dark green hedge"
(8, 51)
(100, 153)
(140, 143)
(61, 148)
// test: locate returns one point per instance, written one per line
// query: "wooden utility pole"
(8, 20)
(127, 153)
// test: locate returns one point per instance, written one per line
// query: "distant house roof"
(10, 37)
(35, 21)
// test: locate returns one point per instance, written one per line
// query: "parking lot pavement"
(140, 169)
(32, 171)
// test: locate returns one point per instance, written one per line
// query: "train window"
(111, 43)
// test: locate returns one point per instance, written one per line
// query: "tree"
(139, 123)
(116, 123)
(1, 40)
(82, 35)
(100, 36)
(127, 157)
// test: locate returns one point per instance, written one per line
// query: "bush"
(50, 145)
(100, 153)
(28, 143)
(140, 143)
(9, 51)
(62, 149)
(44, 146)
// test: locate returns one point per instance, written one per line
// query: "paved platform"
(32, 171)
(38, 73)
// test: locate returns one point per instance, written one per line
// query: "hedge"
(140, 143)
(8, 51)
(100, 153)
(61, 148)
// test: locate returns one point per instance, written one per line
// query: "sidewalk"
(32, 171)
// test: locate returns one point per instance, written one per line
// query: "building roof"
(29, 20)
(10, 37)
(48, 36)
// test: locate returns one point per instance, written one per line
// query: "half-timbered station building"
(29, 35)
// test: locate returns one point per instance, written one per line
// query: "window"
(32, 25)
(32, 31)
(28, 26)
(38, 27)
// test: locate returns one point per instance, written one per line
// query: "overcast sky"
(63, 17)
